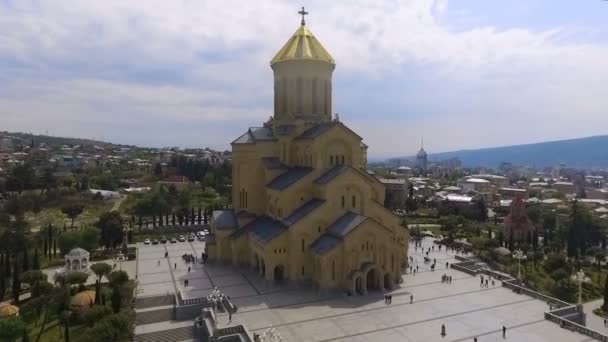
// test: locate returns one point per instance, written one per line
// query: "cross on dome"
(303, 13)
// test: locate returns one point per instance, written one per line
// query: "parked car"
(173, 240)
(146, 241)
(163, 239)
(155, 242)
(201, 238)
(200, 233)
(191, 237)
(182, 238)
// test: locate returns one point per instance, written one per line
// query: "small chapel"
(304, 208)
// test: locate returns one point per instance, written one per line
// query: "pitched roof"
(303, 46)
(345, 224)
(331, 174)
(289, 177)
(316, 130)
(302, 211)
(255, 134)
(78, 252)
(324, 244)
(264, 228)
(284, 129)
(224, 219)
(272, 163)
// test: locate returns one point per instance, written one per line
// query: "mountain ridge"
(587, 152)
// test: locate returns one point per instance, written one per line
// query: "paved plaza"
(302, 314)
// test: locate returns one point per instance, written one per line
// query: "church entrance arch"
(359, 285)
(372, 279)
(279, 273)
(256, 262)
(388, 284)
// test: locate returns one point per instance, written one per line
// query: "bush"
(97, 313)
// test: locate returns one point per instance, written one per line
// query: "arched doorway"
(279, 273)
(372, 281)
(359, 285)
(388, 284)
(256, 262)
(262, 268)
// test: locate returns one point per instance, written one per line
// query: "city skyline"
(197, 74)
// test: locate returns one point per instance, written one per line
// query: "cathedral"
(304, 208)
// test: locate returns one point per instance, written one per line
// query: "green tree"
(101, 269)
(16, 284)
(118, 278)
(97, 313)
(605, 304)
(79, 278)
(111, 226)
(116, 299)
(33, 279)
(89, 239)
(598, 254)
(68, 241)
(72, 211)
(36, 260)
(11, 328)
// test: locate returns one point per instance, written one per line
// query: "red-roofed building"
(517, 222)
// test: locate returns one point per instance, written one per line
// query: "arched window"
(333, 270)
(302, 270)
(354, 202)
(299, 95)
(342, 162)
(302, 245)
(331, 160)
(342, 202)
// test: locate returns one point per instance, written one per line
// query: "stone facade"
(304, 208)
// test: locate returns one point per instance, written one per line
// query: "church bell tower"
(302, 78)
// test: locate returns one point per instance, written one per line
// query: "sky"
(195, 73)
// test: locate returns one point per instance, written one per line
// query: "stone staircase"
(152, 302)
(172, 335)
(155, 316)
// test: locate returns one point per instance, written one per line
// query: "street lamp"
(519, 255)
(580, 278)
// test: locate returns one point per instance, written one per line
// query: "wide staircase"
(172, 335)
(155, 316)
(163, 313)
(152, 302)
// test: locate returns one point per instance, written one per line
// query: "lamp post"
(580, 277)
(519, 255)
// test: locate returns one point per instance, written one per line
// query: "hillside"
(583, 153)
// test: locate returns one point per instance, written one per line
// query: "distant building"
(176, 180)
(517, 223)
(395, 192)
(421, 159)
(474, 184)
(404, 170)
(565, 187)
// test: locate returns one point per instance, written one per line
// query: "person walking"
(175, 266)
(188, 269)
(390, 299)
(504, 332)
(411, 299)
(158, 263)
(229, 316)
(443, 330)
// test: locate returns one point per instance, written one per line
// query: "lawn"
(54, 216)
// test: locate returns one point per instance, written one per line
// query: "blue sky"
(461, 73)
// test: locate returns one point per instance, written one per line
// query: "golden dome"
(8, 310)
(83, 299)
(303, 46)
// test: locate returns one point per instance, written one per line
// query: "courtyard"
(303, 314)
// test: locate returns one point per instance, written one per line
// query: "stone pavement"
(302, 314)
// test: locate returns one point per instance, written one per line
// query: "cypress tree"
(55, 248)
(7, 264)
(167, 219)
(66, 334)
(26, 337)
(154, 221)
(173, 219)
(200, 218)
(16, 280)
(535, 239)
(605, 305)
(116, 299)
(140, 222)
(192, 217)
(35, 262)
(45, 248)
(2, 284)
(26, 261)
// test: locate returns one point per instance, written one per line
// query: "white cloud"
(196, 62)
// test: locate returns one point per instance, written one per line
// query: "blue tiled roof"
(346, 224)
(284, 129)
(255, 134)
(261, 133)
(324, 244)
(315, 130)
(272, 163)
(224, 219)
(265, 228)
(291, 176)
(302, 211)
(331, 174)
